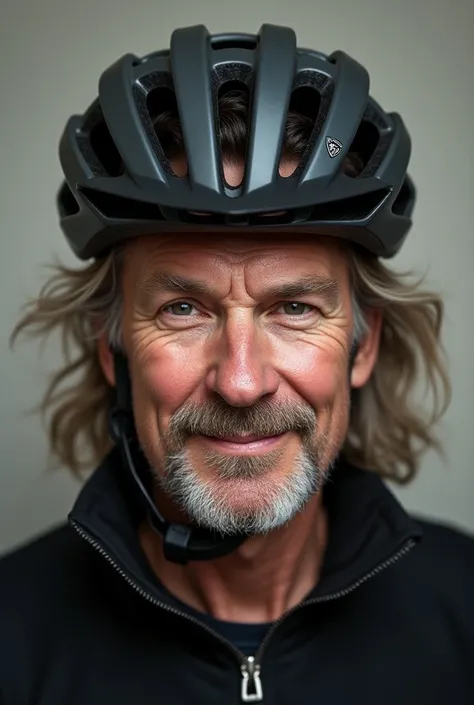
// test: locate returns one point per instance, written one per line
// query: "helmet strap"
(181, 542)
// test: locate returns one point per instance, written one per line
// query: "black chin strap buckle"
(175, 543)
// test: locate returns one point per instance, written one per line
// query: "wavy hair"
(389, 427)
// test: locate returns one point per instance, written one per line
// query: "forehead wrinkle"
(159, 276)
(318, 285)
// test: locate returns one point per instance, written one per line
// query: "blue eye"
(180, 308)
(295, 307)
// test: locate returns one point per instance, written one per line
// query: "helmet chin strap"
(181, 542)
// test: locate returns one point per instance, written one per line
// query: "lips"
(241, 439)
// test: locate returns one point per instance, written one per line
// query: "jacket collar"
(367, 526)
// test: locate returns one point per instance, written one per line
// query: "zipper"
(250, 666)
(244, 661)
(251, 677)
(335, 595)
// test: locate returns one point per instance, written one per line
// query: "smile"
(243, 444)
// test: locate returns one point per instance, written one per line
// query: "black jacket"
(83, 621)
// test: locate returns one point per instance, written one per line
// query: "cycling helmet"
(119, 183)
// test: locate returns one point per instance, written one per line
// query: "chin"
(252, 504)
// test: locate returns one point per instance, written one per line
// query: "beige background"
(420, 54)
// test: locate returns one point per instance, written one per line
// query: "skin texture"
(236, 347)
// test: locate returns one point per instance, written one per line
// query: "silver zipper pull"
(251, 675)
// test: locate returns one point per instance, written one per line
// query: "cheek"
(162, 381)
(317, 373)
(165, 374)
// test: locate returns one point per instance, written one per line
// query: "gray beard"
(283, 501)
(210, 503)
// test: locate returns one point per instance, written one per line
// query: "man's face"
(238, 350)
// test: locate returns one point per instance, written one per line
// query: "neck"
(260, 581)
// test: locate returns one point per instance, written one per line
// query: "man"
(243, 378)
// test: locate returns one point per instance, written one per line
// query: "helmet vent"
(234, 41)
(119, 208)
(67, 204)
(305, 101)
(311, 98)
(162, 110)
(202, 218)
(276, 218)
(233, 117)
(106, 152)
(403, 204)
(361, 151)
(353, 208)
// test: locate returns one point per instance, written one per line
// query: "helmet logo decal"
(333, 146)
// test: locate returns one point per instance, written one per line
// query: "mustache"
(217, 418)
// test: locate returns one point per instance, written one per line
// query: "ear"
(368, 350)
(106, 359)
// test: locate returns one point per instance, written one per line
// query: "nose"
(241, 369)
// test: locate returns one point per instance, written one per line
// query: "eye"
(179, 308)
(296, 308)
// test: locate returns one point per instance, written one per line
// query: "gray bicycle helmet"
(119, 183)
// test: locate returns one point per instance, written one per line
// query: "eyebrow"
(162, 281)
(318, 285)
(315, 285)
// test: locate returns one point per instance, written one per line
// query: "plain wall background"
(420, 54)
